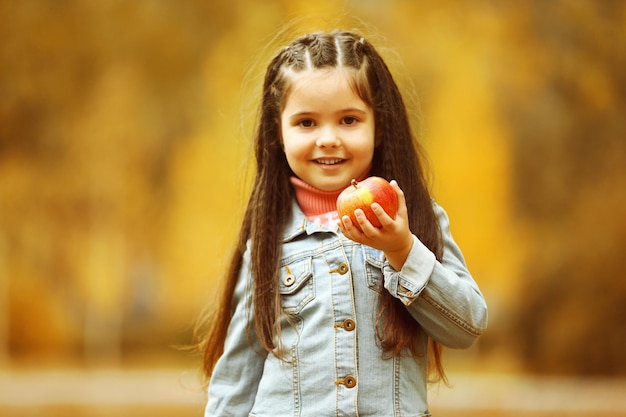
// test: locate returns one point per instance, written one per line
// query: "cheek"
(290, 147)
(369, 145)
(368, 157)
(366, 154)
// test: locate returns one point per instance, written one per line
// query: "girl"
(319, 318)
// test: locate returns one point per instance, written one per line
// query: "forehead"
(321, 84)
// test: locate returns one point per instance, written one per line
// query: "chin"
(334, 186)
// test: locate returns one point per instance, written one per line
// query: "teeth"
(329, 161)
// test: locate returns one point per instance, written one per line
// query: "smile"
(328, 161)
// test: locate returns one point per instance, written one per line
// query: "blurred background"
(124, 167)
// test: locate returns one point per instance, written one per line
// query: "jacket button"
(349, 325)
(350, 381)
(289, 280)
(343, 268)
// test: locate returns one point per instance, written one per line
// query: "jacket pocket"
(374, 262)
(296, 285)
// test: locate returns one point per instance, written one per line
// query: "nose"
(328, 137)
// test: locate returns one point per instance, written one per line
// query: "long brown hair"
(397, 156)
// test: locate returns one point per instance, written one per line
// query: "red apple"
(362, 195)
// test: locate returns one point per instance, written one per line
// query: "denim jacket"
(334, 365)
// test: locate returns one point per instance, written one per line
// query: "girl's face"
(327, 130)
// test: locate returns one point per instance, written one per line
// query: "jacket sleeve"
(235, 378)
(442, 296)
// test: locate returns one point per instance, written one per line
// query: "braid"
(325, 50)
(356, 53)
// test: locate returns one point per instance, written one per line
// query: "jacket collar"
(299, 224)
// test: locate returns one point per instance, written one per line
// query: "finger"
(400, 194)
(396, 187)
(382, 216)
(346, 223)
(347, 227)
(340, 226)
(351, 230)
(362, 219)
(367, 228)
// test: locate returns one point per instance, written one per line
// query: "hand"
(394, 237)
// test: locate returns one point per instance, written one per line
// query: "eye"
(306, 123)
(349, 120)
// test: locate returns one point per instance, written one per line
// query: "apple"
(361, 195)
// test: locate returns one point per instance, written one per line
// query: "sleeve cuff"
(408, 283)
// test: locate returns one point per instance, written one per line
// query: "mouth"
(329, 161)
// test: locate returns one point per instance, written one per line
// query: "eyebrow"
(342, 111)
